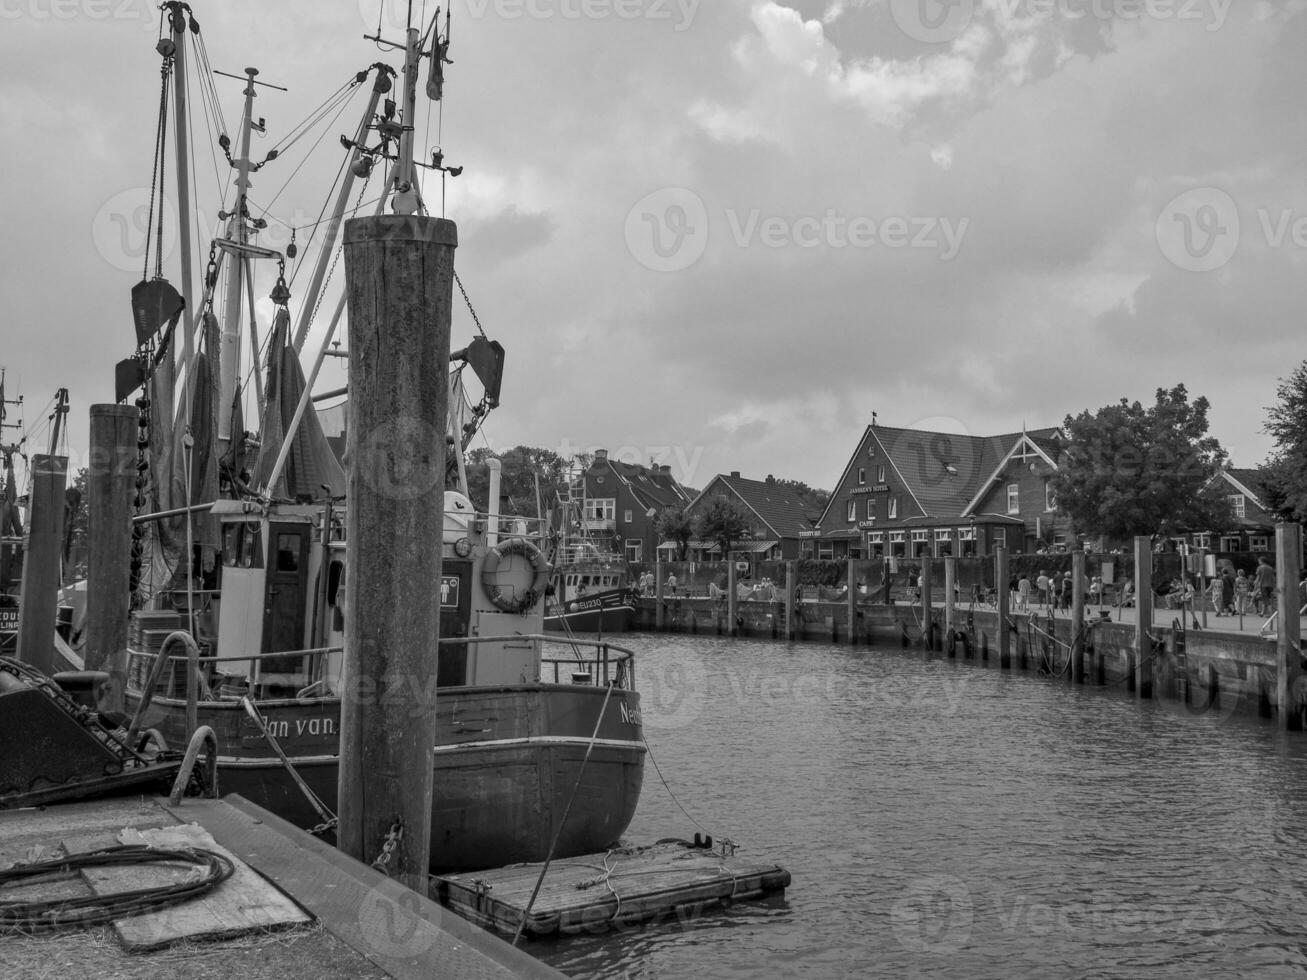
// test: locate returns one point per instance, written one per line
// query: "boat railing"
(588, 661)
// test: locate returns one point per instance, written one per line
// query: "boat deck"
(327, 918)
(617, 887)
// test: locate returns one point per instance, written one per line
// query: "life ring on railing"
(514, 546)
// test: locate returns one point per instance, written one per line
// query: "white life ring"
(514, 546)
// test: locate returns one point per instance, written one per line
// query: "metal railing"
(604, 663)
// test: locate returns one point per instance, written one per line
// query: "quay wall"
(1201, 671)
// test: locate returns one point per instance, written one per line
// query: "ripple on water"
(945, 820)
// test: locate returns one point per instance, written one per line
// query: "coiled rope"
(50, 915)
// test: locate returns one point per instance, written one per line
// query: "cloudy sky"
(722, 233)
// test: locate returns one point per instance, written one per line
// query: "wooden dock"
(298, 907)
(618, 887)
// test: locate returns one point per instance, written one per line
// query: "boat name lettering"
(278, 728)
(630, 716)
(9, 620)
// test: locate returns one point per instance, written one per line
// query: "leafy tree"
(1132, 470)
(520, 467)
(1284, 476)
(674, 524)
(724, 521)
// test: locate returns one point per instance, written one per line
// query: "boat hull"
(605, 612)
(506, 764)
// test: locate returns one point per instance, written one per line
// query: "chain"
(475, 318)
(323, 827)
(393, 836)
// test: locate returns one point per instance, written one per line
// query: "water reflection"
(941, 819)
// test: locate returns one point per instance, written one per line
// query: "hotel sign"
(810, 534)
(874, 488)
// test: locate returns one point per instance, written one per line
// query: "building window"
(825, 550)
(1230, 542)
(1013, 498)
(634, 549)
(601, 508)
(1237, 504)
(1203, 541)
(943, 541)
(893, 506)
(862, 476)
(880, 474)
(871, 508)
(1259, 542)
(897, 543)
(1050, 498)
(967, 540)
(920, 543)
(853, 510)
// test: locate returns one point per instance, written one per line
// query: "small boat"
(247, 636)
(592, 589)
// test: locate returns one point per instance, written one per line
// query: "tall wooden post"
(1004, 598)
(950, 593)
(660, 589)
(1077, 617)
(1288, 563)
(399, 273)
(110, 487)
(1144, 609)
(791, 584)
(927, 600)
(732, 600)
(40, 596)
(851, 602)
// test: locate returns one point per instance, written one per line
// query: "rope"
(663, 780)
(79, 912)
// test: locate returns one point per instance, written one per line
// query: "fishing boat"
(592, 589)
(240, 547)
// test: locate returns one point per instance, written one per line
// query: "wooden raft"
(617, 887)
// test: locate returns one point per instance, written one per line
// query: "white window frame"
(601, 508)
(893, 507)
(825, 550)
(871, 508)
(862, 476)
(1050, 498)
(943, 534)
(852, 511)
(897, 537)
(880, 473)
(1231, 542)
(1239, 504)
(1259, 542)
(626, 517)
(1203, 540)
(634, 549)
(876, 537)
(1014, 498)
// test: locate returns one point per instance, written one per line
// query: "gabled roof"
(1244, 481)
(652, 488)
(1043, 442)
(944, 472)
(777, 505)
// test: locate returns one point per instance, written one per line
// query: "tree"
(725, 522)
(1130, 470)
(520, 467)
(674, 524)
(1284, 476)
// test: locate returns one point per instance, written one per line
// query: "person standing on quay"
(1264, 584)
(1042, 583)
(1023, 592)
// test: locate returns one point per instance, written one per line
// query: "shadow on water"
(942, 819)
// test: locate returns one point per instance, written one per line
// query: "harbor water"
(945, 819)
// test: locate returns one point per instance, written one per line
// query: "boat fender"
(514, 546)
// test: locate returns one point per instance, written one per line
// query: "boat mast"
(229, 364)
(177, 21)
